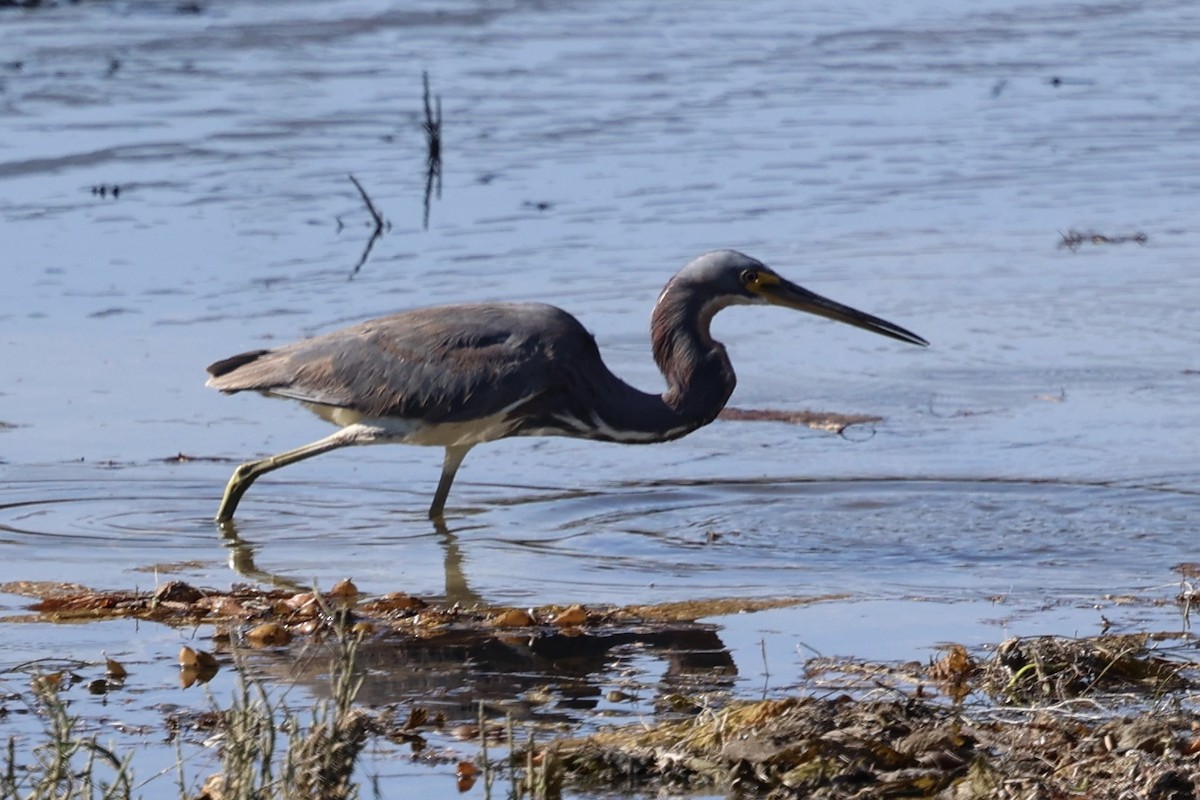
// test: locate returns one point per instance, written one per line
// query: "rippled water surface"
(921, 163)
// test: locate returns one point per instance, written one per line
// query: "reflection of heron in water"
(474, 663)
(460, 375)
(241, 561)
(454, 668)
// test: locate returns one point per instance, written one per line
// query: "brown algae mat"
(1111, 716)
(1052, 722)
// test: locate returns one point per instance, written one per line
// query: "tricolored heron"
(460, 375)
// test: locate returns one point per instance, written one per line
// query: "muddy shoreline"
(1049, 716)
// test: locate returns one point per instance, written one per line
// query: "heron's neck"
(699, 378)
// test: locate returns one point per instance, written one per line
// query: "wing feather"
(443, 364)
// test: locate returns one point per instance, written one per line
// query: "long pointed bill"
(789, 295)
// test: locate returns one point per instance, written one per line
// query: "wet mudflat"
(1009, 182)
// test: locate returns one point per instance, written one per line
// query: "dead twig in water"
(375, 215)
(1073, 239)
(380, 224)
(762, 645)
(433, 124)
(831, 421)
(433, 146)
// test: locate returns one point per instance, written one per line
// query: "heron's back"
(443, 364)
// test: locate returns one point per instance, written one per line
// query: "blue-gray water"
(920, 163)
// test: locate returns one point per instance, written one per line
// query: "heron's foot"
(239, 482)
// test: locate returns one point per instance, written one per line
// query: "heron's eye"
(749, 277)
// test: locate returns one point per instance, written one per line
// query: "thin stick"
(375, 215)
(762, 643)
(433, 123)
(375, 234)
(433, 145)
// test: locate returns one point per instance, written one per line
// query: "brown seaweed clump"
(1042, 718)
(805, 747)
(1056, 668)
(837, 748)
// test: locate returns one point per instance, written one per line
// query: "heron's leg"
(454, 457)
(249, 472)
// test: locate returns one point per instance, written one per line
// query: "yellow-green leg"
(249, 472)
(450, 464)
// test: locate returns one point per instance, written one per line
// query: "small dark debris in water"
(196, 667)
(539, 205)
(465, 775)
(958, 413)
(105, 190)
(954, 671)
(1073, 239)
(486, 178)
(1188, 569)
(114, 64)
(1056, 81)
(114, 311)
(189, 8)
(115, 670)
(177, 592)
(184, 458)
(998, 87)
(268, 634)
(818, 420)
(197, 721)
(15, 66)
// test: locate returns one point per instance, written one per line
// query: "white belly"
(382, 430)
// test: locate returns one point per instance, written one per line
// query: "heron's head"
(726, 277)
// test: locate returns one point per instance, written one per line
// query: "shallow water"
(920, 163)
